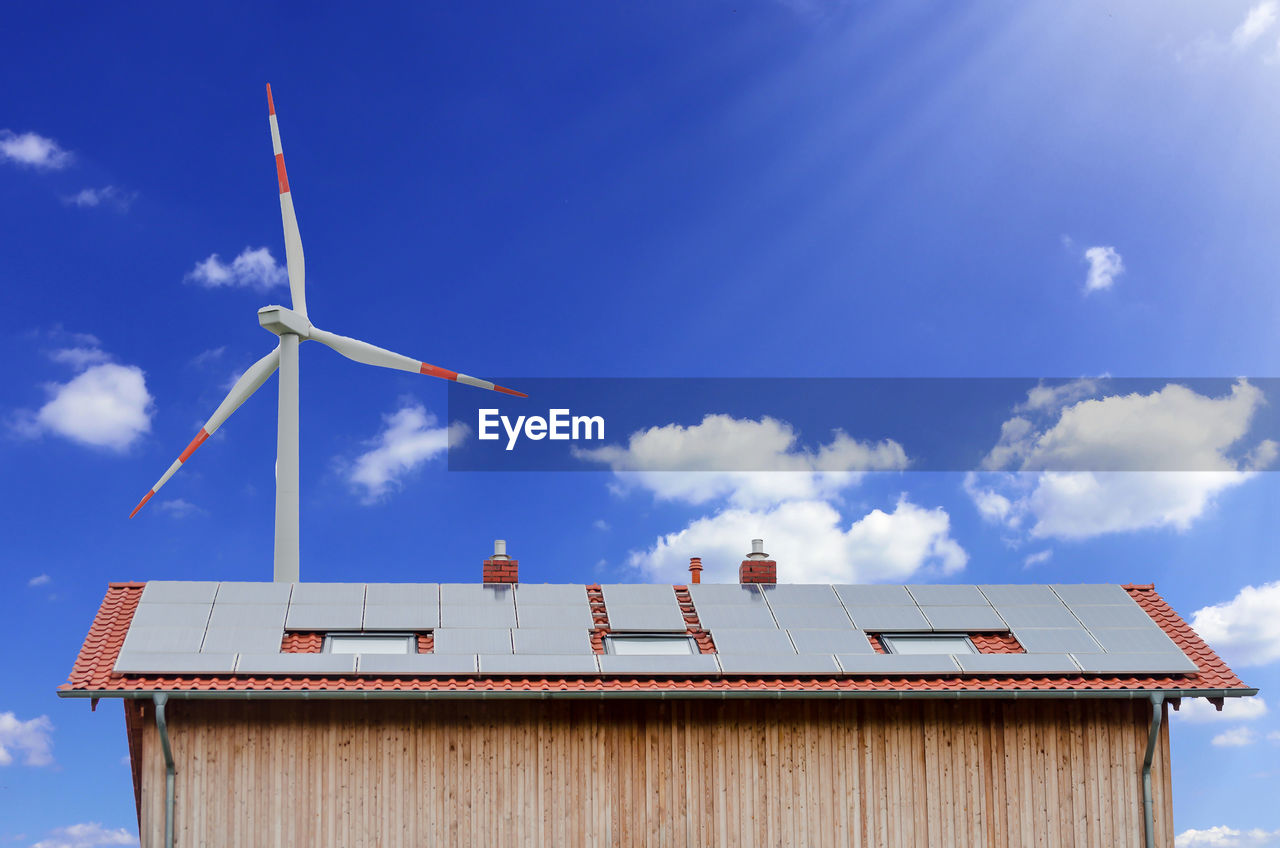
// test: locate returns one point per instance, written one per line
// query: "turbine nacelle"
(282, 320)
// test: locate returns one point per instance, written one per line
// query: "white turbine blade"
(248, 383)
(292, 238)
(374, 355)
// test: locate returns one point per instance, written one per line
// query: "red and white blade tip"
(507, 391)
(270, 103)
(148, 496)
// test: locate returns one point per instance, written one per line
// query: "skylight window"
(631, 644)
(938, 643)
(370, 643)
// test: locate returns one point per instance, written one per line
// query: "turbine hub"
(284, 321)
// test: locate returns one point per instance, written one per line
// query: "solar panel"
(537, 615)
(278, 663)
(1018, 663)
(401, 616)
(665, 665)
(179, 592)
(403, 594)
(549, 664)
(646, 617)
(477, 615)
(825, 617)
(778, 664)
(250, 640)
(1136, 663)
(897, 664)
(752, 641)
(637, 594)
(551, 641)
(800, 594)
(1053, 640)
(1020, 596)
(846, 641)
(968, 619)
(472, 640)
(254, 593)
(324, 617)
(334, 594)
(888, 619)
(170, 615)
(248, 615)
(138, 662)
(1113, 615)
(477, 594)
(1134, 640)
(425, 664)
(552, 594)
(164, 640)
(734, 615)
(1091, 593)
(1042, 616)
(723, 594)
(874, 595)
(946, 595)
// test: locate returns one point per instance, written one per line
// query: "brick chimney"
(757, 567)
(695, 569)
(501, 568)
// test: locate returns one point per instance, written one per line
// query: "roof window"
(930, 643)
(370, 643)
(631, 644)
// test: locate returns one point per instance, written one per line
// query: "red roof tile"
(92, 673)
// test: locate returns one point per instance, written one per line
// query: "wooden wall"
(675, 773)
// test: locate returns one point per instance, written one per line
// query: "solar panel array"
(544, 629)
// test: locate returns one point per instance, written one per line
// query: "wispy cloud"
(86, 835)
(1105, 264)
(33, 150)
(1221, 836)
(40, 580)
(1037, 559)
(254, 268)
(107, 196)
(178, 508)
(29, 740)
(1256, 23)
(1236, 737)
(206, 356)
(410, 436)
(1200, 711)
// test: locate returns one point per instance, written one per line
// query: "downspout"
(160, 699)
(1148, 806)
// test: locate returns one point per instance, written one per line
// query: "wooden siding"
(654, 773)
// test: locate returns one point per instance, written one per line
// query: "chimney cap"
(757, 550)
(500, 549)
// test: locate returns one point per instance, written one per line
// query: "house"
(758, 713)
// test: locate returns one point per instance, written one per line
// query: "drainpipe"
(1148, 809)
(160, 699)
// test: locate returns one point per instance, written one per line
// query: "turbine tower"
(293, 327)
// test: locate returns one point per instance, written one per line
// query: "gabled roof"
(538, 640)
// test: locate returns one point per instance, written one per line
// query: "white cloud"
(106, 406)
(178, 508)
(86, 835)
(411, 437)
(1222, 836)
(1037, 559)
(600, 524)
(30, 739)
(1105, 264)
(80, 358)
(40, 580)
(110, 196)
(753, 463)
(1245, 629)
(254, 269)
(33, 150)
(210, 355)
(1200, 711)
(812, 544)
(1236, 737)
(1163, 458)
(1256, 23)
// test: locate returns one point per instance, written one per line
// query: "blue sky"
(782, 189)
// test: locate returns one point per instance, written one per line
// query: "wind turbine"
(293, 327)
